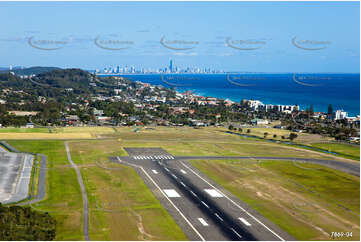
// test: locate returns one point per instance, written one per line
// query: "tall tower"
(171, 65)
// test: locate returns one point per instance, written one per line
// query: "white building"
(255, 104)
(339, 114)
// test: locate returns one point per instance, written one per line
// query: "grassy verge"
(24, 130)
(308, 201)
(63, 199)
(344, 150)
(119, 198)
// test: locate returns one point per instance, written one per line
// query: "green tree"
(293, 136)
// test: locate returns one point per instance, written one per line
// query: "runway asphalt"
(203, 209)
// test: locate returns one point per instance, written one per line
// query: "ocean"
(304, 89)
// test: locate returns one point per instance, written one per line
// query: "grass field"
(185, 140)
(304, 138)
(119, 198)
(24, 130)
(63, 199)
(303, 199)
(62, 133)
(348, 151)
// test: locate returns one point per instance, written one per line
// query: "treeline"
(19, 223)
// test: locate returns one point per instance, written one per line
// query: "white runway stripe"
(218, 217)
(234, 231)
(194, 194)
(205, 204)
(203, 222)
(171, 193)
(213, 193)
(244, 221)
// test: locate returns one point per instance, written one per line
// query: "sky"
(230, 36)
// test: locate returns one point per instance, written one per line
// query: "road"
(83, 192)
(201, 208)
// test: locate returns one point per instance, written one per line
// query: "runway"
(201, 208)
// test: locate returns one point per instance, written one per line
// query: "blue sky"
(204, 34)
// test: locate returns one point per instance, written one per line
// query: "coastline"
(271, 88)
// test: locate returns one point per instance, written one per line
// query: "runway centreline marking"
(218, 217)
(170, 201)
(205, 204)
(194, 194)
(244, 221)
(234, 231)
(203, 222)
(236, 204)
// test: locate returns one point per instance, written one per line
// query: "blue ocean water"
(304, 89)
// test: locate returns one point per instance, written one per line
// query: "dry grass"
(45, 136)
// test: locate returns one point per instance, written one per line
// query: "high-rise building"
(171, 65)
(339, 114)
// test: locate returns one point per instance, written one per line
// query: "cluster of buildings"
(170, 69)
(257, 105)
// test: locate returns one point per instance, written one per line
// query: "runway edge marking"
(244, 210)
(183, 216)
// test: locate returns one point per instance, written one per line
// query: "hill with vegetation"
(35, 70)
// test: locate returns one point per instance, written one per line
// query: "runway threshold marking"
(237, 205)
(203, 222)
(213, 193)
(170, 201)
(171, 193)
(244, 221)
